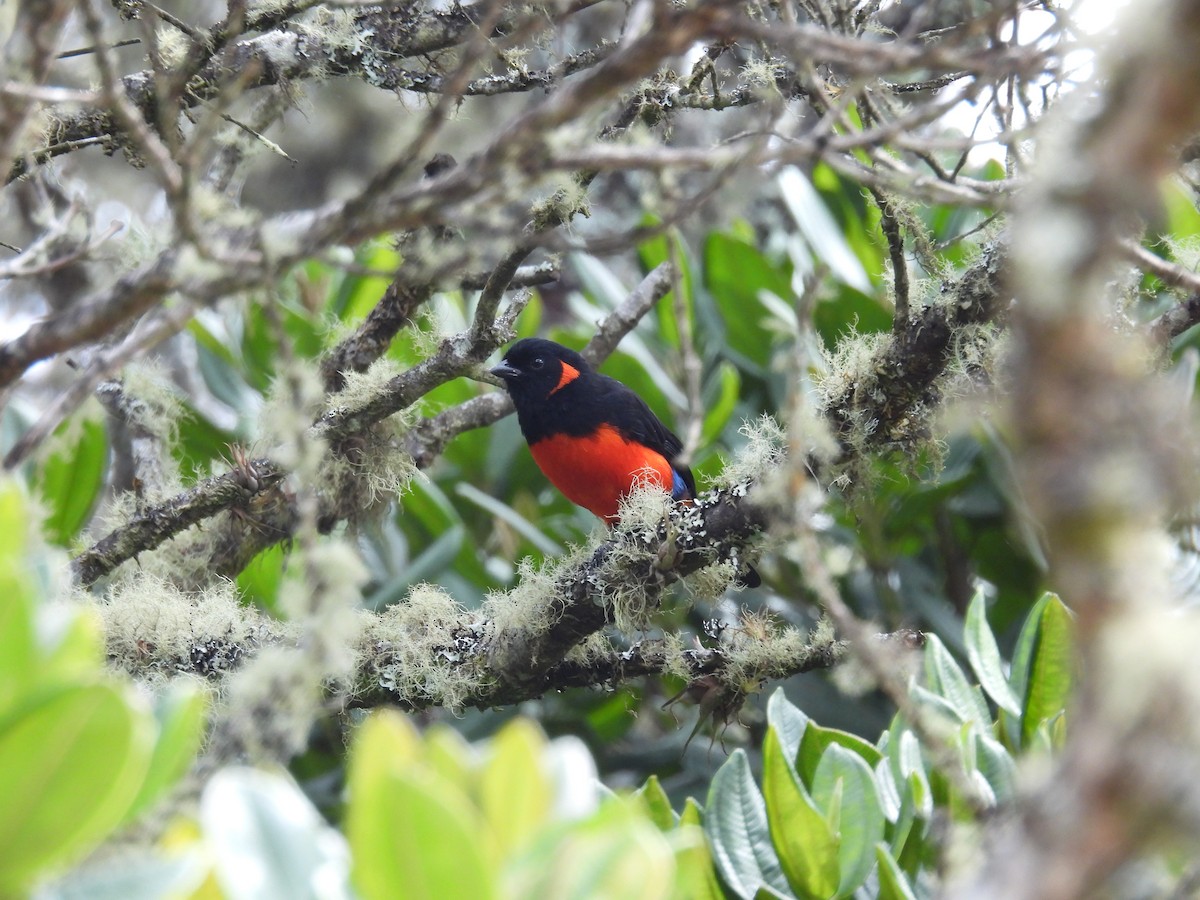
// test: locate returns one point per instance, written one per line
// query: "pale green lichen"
(707, 585)
(675, 662)
(410, 649)
(757, 648)
(155, 630)
(596, 647)
(765, 450)
(533, 605)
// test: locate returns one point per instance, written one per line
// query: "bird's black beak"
(504, 371)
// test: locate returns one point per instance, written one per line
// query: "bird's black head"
(533, 369)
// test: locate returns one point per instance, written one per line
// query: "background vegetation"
(286, 608)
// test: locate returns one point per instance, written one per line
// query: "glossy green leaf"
(893, 883)
(652, 253)
(996, 765)
(268, 840)
(72, 646)
(849, 312)
(889, 793)
(515, 789)
(789, 722)
(720, 409)
(734, 273)
(862, 819)
(948, 680)
(1183, 219)
(70, 480)
(599, 281)
(1050, 670)
(735, 821)
(806, 844)
(360, 293)
(1022, 657)
(71, 763)
(448, 753)
(180, 712)
(656, 803)
(613, 853)
(507, 514)
(260, 580)
(820, 229)
(413, 835)
(818, 739)
(18, 642)
(984, 656)
(696, 879)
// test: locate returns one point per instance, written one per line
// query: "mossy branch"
(880, 408)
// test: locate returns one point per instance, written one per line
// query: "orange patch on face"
(569, 374)
(596, 471)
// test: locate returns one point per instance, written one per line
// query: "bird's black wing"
(633, 418)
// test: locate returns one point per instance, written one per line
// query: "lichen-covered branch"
(888, 398)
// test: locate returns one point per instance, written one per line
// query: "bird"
(592, 437)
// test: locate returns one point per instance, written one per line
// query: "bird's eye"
(538, 363)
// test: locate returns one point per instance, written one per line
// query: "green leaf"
(599, 281)
(268, 839)
(448, 753)
(984, 656)
(655, 251)
(507, 514)
(1050, 671)
(515, 789)
(734, 273)
(18, 643)
(807, 846)
(817, 740)
(849, 312)
(735, 821)
(72, 646)
(262, 577)
(720, 409)
(613, 853)
(656, 803)
(789, 722)
(1183, 220)
(862, 819)
(180, 712)
(71, 763)
(70, 480)
(949, 681)
(696, 879)
(360, 293)
(1022, 657)
(889, 793)
(997, 766)
(413, 835)
(893, 884)
(820, 229)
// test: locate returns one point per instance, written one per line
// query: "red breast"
(596, 470)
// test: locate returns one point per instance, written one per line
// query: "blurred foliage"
(81, 751)
(431, 816)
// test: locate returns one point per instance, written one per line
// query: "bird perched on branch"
(593, 437)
